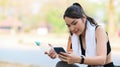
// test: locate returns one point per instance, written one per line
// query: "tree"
(111, 24)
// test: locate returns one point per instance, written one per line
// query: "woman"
(88, 42)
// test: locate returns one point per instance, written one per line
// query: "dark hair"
(76, 11)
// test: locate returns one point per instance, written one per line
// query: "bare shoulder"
(100, 30)
(101, 33)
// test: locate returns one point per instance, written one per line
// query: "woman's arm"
(101, 49)
(69, 45)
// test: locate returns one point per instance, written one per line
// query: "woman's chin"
(77, 34)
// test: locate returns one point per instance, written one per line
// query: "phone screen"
(59, 49)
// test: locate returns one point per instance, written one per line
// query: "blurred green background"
(37, 13)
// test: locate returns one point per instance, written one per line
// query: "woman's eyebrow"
(72, 21)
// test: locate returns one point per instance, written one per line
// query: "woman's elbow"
(102, 61)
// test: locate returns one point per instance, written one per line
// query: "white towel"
(76, 45)
(89, 40)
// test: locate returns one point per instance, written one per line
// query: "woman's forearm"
(97, 60)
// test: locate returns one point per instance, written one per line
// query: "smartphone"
(59, 49)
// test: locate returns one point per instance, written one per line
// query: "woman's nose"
(72, 28)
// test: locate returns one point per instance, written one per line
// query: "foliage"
(53, 14)
(55, 18)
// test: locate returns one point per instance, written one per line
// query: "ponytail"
(77, 4)
(91, 20)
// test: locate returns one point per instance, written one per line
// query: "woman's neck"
(83, 34)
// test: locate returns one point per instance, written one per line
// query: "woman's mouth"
(75, 32)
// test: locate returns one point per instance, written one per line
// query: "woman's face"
(76, 26)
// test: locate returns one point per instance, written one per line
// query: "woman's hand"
(52, 54)
(70, 58)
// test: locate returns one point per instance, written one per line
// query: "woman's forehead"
(67, 19)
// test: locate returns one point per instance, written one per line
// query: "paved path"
(20, 49)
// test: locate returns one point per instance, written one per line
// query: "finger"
(64, 54)
(46, 52)
(62, 59)
(69, 52)
(50, 45)
(69, 61)
(51, 53)
(54, 56)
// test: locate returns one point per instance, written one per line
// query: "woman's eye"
(68, 25)
(74, 23)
